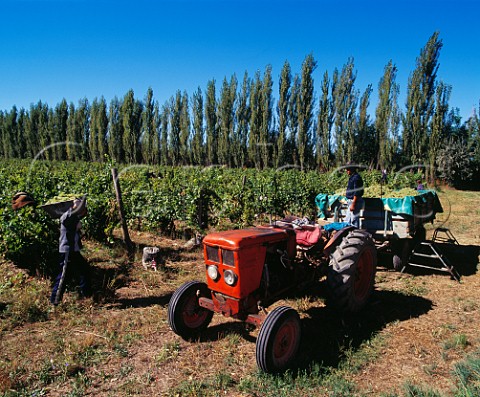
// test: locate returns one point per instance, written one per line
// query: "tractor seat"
(308, 236)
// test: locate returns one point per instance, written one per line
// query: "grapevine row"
(157, 199)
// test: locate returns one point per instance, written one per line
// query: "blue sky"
(74, 49)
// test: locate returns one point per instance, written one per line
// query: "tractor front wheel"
(278, 340)
(185, 316)
(351, 273)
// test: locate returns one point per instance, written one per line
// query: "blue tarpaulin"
(335, 226)
(404, 205)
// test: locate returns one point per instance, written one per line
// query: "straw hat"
(21, 199)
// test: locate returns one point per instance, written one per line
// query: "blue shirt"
(355, 186)
(70, 239)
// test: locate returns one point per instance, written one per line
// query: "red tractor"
(249, 269)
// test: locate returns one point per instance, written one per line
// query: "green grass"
(168, 351)
(457, 341)
(465, 377)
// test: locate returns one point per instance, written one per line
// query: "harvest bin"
(396, 224)
(386, 218)
(56, 210)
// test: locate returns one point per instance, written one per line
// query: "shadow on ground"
(464, 259)
(327, 335)
(141, 302)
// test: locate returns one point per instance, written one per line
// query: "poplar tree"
(70, 147)
(438, 125)
(174, 144)
(242, 114)
(164, 123)
(365, 137)
(10, 133)
(50, 153)
(226, 120)
(352, 127)
(306, 104)
(293, 121)
(185, 133)
(386, 116)
(266, 106)
(151, 127)
(93, 140)
(324, 126)
(22, 126)
(473, 126)
(82, 130)
(149, 135)
(60, 130)
(254, 153)
(284, 84)
(198, 152)
(155, 156)
(33, 130)
(211, 123)
(76, 126)
(131, 111)
(421, 100)
(346, 99)
(2, 131)
(101, 125)
(115, 131)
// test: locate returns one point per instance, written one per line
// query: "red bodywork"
(243, 252)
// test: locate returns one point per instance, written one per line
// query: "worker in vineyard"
(22, 199)
(71, 262)
(354, 195)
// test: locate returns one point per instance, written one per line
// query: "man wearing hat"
(354, 195)
(70, 257)
(22, 199)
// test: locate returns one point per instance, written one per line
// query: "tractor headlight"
(230, 277)
(212, 272)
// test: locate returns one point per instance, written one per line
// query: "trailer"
(397, 225)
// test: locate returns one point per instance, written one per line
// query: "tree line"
(241, 124)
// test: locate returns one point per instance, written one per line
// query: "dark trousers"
(72, 265)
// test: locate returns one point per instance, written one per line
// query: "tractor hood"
(237, 239)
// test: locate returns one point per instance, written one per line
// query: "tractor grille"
(227, 258)
(212, 254)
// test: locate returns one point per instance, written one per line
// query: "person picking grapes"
(70, 260)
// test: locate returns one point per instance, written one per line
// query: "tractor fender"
(336, 240)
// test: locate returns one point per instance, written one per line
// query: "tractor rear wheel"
(278, 340)
(351, 273)
(185, 316)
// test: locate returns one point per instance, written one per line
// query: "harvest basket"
(56, 210)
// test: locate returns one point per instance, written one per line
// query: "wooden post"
(118, 194)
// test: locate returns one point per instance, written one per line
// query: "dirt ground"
(426, 339)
